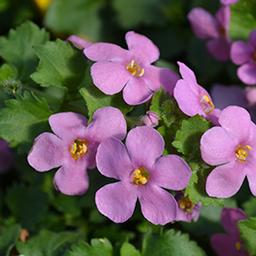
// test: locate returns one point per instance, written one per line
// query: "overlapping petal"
(247, 73)
(241, 52)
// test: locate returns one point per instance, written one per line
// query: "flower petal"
(157, 205)
(107, 122)
(109, 77)
(247, 73)
(47, 152)
(171, 172)
(223, 16)
(241, 52)
(237, 122)
(144, 145)
(142, 47)
(116, 201)
(218, 146)
(203, 23)
(188, 75)
(219, 48)
(68, 125)
(250, 170)
(136, 92)
(252, 38)
(227, 2)
(79, 42)
(72, 179)
(113, 160)
(106, 52)
(225, 181)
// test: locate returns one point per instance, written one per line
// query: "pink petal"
(218, 146)
(116, 201)
(157, 205)
(136, 92)
(247, 73)
(72, 179)
(47, 152)
(106, 52)
(223, 16)
(79, 42)
(109, 77)
(219, 48)
(144, 145)
(225, 181)
(169, 80)
(227, 2)
(142, 47)
(203, 23)
(250, 170)
(107, 122)
(237, 122)
(188, 75)
(68, 125)
(171, 172)
(113, 160)
(241, 52)
(252, 38)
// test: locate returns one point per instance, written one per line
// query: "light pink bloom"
(142, 172)
(192, 98)
(232, 148)
(151, 119)
(79, 42)
(228, 2)
(73, 146)
(214, 29)
(117, 69)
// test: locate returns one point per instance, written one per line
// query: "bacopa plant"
(145, 149)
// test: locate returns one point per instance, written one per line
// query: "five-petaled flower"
(244, 54)
(142, 172)
(232, 147)
(192, 98)
(73, 146)
(117, 69)
(229, 243)
(214, 29)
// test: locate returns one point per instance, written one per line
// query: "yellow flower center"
(186, 204)
(238, 246)
(242, 152)
(78, 149)
(207, 104)
(135, 69)
(43, 4)
(140, 176)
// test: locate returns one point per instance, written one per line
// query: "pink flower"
(73, 146)
(79, 42)
(192, 98)
(244, 54)
(6, 156)
(214, 29)
(229, 243)
(151, 119)
(142, 172)
(232, 147)
(117, 69)
(250, 93)
(228, 2)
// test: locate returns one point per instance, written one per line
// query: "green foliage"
(23, 118)
(171, 243)
(243, 19)
(250, 206)
(60, 65)
(17, 48)
(248, 234)
(128, 249)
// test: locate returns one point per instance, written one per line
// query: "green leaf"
(250, 207)
(28, 205)
(17, 48)
(187, 139)
(8, 238)
(48, 243)
(98, 247)
(128, 249)
(243, 19)
(171, 243)
(84, 14)
(248, 234)
(60, 65)
(23, 118)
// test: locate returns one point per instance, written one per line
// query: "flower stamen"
(78, 149)
(135, 69)
(207, 104)
(242, 152)
(186, 204)
(140, 176)
(238, 246)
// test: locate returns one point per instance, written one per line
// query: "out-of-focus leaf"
(128, 249)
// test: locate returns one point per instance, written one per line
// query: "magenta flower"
(79, 42)
(142, 172)
(244, 54)
(6, 156)
(214, 29)
(73, 146)
(232, 147)
(151, 119)
(187, 211)
(117, 69)
(250, 93)
(192, 98)
(228, 2)
(229, 243)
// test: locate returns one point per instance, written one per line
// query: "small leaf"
(128, 249)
